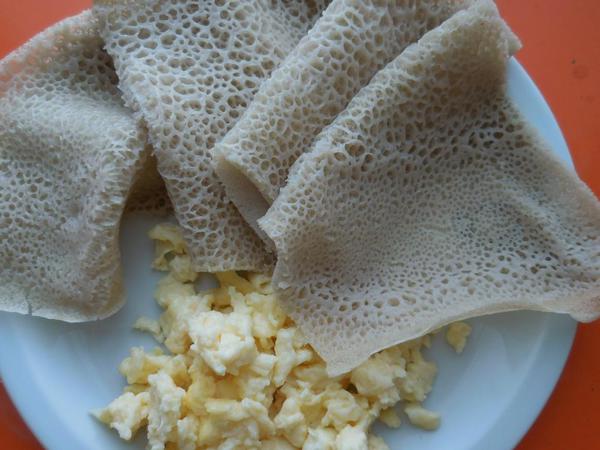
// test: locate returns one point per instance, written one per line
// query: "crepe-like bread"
(430, 200)
(340, 54)
(69, 153)
(149, 193)
(189, 69)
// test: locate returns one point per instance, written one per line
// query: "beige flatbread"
(149, 193)
(69, 154)
(339, 55)
(189, 69)
(429, 200)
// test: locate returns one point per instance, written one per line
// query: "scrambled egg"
(239, 375)
(457, 335)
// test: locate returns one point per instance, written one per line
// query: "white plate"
(488, 397)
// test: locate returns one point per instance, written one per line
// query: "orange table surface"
(562, 54)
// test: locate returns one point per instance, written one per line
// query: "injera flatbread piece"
(189, 69)
(430, 200)
(69, 154)
(346, 47)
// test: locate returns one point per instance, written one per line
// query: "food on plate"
(430, 200)
(338, 56)
(457, 335)
(69, 155)
(378, 156)
(149, 193)
(189, 69)
(239, 374)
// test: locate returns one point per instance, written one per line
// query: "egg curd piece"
(126, 413)
(457, 335)
(239, 375)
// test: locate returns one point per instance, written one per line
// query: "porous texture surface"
(430, 200)
(69, 154)
(189, 69)
(346, 47)
(149, 193)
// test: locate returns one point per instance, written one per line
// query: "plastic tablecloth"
(562, 54)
